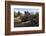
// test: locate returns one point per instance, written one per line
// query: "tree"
(19, 13)
(15, 14)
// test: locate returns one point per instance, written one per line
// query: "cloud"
(26, 9)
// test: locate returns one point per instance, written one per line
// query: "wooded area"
(26, 20)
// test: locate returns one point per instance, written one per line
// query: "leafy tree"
(18, 13)
(15, 14)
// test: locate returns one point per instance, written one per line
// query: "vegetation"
(33, 18)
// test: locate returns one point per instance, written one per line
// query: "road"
(25, 24)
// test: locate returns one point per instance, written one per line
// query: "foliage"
(34, 18)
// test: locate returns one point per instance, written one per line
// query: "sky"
(30, 10)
